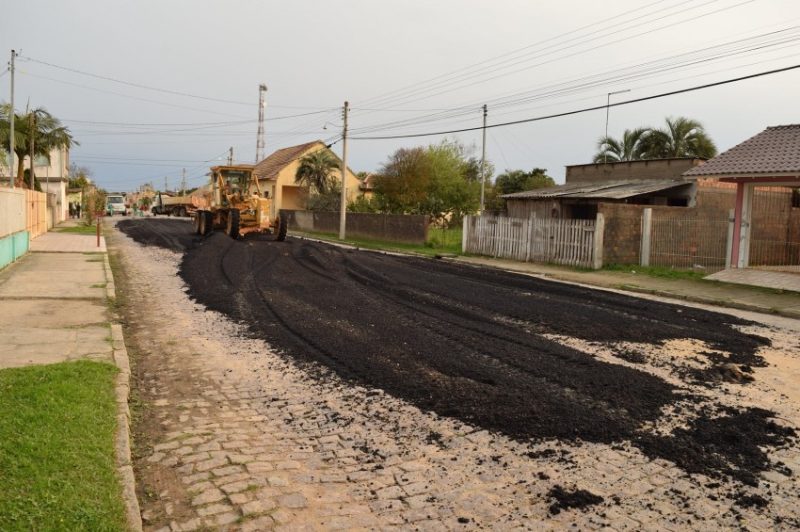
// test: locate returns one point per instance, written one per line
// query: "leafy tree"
(473, 170)
(512, 181)
(628, 148)
(37, 126)
(430, 181)
(316, 171)
(362, 204)
(94, 201)
(682, 137)
(330, 200)
(79, 176)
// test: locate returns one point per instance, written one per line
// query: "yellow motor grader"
(237, 205)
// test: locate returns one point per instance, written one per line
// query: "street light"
(608, 105)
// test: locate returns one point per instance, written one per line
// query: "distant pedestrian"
(77, 210)
(71, 210)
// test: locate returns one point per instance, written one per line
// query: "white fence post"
(647, 230)
(464, 233)
(729, 244)
(599, 229)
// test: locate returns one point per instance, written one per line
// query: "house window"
(41, 160)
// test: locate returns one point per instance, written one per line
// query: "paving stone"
(391, 492)
(212, 509)
(242, 485)
(210, 464)
(258, 524)
(258, 506)
(292, 500)
(208, 496)
(259, 467)
(220, 520)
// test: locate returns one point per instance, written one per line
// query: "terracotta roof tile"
(270, 167)
(776, 150)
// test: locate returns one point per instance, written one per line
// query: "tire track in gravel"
(466, 342)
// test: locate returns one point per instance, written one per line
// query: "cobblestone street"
(231, 435)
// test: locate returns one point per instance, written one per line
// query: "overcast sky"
(407, 67)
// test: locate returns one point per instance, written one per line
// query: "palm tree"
(316, 169)
(682, 137)
(625, 149)
(37, 126)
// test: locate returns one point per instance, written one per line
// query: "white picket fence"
(550, 240)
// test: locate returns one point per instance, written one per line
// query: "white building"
(52, 176)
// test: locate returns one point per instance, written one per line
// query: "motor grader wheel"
(283, 227)
(232, 227)
(208, 217)
(198, 220)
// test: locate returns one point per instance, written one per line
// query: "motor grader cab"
(237, 205)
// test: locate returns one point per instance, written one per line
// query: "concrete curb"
(111, 289)
(122, 392)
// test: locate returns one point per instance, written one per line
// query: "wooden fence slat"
(560, 241)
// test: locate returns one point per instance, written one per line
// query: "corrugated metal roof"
(774, 150)
(601, 190)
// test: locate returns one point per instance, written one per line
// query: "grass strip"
(57, 462)
(439, 241)
(79, 229)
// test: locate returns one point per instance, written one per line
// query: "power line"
(123, 95)
(512, 52)
(584, 110)
(137, 85)
(156, 89)
(618, 27)
(420, 94)
(626, 74)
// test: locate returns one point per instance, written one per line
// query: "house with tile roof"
(276, 175)
(769, 159)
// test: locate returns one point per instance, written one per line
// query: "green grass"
(656, 271)
(57, 466)
(439, 241)
(79, 229)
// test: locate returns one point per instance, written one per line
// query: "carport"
(771, 158)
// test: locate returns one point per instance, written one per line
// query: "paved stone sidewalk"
(233, 436)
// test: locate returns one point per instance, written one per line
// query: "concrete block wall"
(408, 229)
(650, 169)
(14, 237)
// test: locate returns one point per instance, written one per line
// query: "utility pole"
(608, 105)
(183, 182)
(262, 104)
(230, 156)
(343, 203)
(483, 161)
(11, 120)
(165, 184)
(31, 138)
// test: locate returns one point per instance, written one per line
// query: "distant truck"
(115, 204)
(176, 206)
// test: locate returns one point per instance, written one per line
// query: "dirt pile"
(565, 500)
(468, 342)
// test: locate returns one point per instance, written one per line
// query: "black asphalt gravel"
(469, 342)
